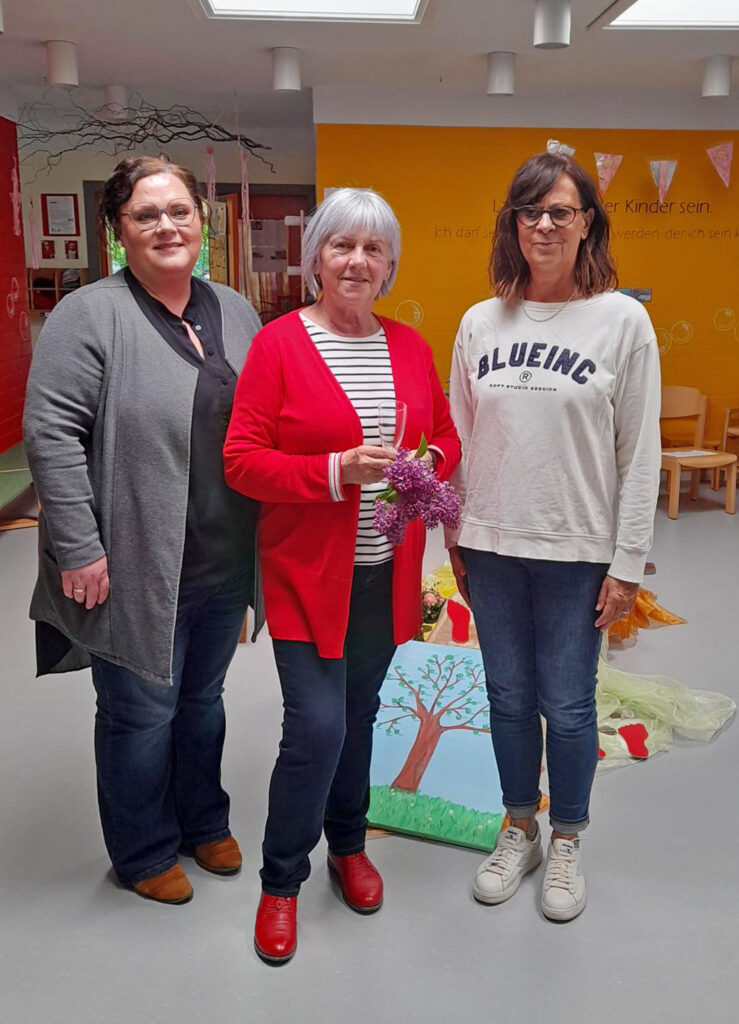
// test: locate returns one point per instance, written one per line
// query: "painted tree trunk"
(419, 756)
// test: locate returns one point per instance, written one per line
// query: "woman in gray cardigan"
(146, 557)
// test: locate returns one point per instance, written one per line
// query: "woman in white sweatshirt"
(555, 392)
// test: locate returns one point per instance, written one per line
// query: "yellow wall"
(444, 183)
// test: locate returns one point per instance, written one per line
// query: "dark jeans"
(540, 649)
(321, 778)
(158, 748)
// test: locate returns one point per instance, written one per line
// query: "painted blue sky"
(463, 767)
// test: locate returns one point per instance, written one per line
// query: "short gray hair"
(345, 210)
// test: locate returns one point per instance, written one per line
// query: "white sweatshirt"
(559, 422)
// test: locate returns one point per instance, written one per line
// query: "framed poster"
(60, 214)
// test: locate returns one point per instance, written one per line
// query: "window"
(394, 11)
(665, 14)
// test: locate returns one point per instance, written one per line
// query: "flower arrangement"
(414, 492)
(432, 602)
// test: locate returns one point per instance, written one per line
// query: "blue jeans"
(535, 621)
(321, 777)
(158, 748)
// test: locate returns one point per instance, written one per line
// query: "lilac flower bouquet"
(414, 492)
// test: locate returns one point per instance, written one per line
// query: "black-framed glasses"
(146, 216)
(560, 216)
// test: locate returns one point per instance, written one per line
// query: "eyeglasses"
(146, 216)
(560, 216)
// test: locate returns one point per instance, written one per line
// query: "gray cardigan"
(107, 430)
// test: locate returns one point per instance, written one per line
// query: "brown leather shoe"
(170, 886)
(222, 857)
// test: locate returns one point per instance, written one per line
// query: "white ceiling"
(171, 53)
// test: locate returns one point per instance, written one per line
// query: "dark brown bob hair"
(119, 186)
(595, 270)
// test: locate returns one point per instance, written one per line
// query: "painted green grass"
(432, 818)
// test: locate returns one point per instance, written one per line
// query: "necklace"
(546, 319)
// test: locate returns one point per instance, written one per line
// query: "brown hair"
(595, 270)
(119, 186)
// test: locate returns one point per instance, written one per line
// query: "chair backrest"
(681, 403)
(731, 423)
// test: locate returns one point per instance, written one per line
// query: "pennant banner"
(210, 178)
(15, 199)
(607, 164)
(35, 236)
(663, 172)
(721, 157)
(555, 146)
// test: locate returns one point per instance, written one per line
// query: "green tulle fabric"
(664, 706)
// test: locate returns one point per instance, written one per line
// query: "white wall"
(293, 156)
(577, 108)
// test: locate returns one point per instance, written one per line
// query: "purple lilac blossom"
(414, 492)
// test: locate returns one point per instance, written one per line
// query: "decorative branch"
(120, 130)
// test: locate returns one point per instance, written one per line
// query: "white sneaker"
(500, 874)
(563, 895)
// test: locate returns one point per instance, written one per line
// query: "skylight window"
(396, 11)
(708, 14)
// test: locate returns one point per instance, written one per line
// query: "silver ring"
(78, 590)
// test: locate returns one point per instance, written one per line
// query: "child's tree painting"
(433, 771)
(448, 695)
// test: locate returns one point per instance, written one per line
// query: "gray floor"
(657, 942)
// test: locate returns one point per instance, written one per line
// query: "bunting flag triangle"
(607, 164)
(663, 172)
(721, 157)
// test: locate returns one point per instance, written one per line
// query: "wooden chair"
(682, 403)
(729, 439)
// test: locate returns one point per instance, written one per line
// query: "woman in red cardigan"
(304, 441)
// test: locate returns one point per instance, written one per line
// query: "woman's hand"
(366, 464)
(616, 599)
(460, 573)
(88, 585)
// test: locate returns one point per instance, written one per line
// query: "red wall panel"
(15, 333)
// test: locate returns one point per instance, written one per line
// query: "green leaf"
(422, 448)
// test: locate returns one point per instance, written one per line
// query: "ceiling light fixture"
(552, 22)
(501, 73)
(61, 63)
(116, 102)
(716, 76)
(286, 69)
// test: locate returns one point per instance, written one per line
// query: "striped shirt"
(362, 368)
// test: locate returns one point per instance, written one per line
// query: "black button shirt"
(219, 536)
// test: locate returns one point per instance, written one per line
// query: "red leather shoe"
(275, 930)
(360, 881)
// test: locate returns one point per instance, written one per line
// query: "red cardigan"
(289, 413)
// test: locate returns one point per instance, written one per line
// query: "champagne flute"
(391, 417)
